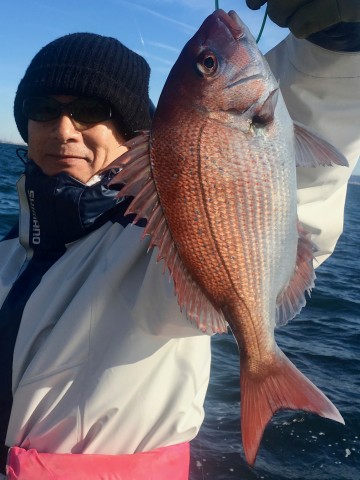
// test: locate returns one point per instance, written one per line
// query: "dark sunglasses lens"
(41, 109)
(90, 110)
(83, 110)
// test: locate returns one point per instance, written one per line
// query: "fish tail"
(283, 387)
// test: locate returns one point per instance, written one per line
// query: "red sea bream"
(216, 179)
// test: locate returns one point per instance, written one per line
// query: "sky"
(156, 29)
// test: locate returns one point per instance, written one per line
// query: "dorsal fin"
(292, 299)
(135, 177)
(313, 151)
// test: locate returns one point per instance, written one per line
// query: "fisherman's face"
(62, 145)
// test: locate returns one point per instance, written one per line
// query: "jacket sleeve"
(321, 90)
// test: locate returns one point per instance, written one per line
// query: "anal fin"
(292, 299)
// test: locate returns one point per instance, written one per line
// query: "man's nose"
(65, 128)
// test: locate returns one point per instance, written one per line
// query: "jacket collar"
(62, 209)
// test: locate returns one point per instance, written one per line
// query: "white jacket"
(104, 360)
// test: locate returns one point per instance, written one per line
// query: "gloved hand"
(332, 24)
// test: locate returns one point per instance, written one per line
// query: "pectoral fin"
(264, 114)
(313, 151)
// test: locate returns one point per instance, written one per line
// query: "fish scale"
(249, 222)
(219, 193)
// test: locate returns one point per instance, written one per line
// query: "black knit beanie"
(90, 65)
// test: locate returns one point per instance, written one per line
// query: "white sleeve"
(321, 89)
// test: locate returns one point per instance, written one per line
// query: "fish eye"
(207, 63)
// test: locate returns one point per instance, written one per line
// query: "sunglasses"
(83, 110)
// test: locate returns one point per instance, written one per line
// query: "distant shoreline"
(9, 142)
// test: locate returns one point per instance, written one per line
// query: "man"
(104, 362)
(98, 366)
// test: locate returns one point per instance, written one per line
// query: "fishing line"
(262, 25)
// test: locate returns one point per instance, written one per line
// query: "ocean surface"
(323, 341)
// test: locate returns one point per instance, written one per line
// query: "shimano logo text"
(35, 223)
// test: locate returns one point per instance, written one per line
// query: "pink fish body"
(219, 193)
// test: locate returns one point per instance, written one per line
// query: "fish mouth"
(239, 31)
(233, 23)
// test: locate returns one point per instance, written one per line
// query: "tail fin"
(283, 387)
